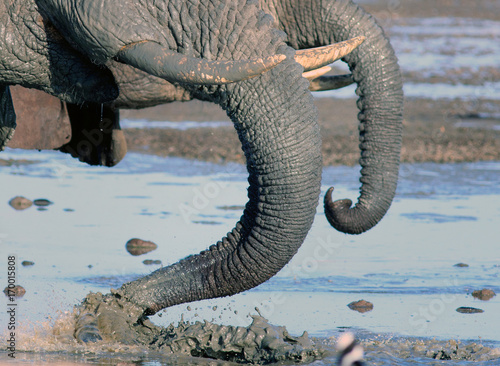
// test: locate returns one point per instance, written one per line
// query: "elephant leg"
(7, 116)
(96, 135)
(43, 122)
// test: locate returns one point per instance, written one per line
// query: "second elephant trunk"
(375, 69)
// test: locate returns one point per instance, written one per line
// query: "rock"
(149, 262)
(469, 310)
(461, 265)
(138, 246)
(17, 291)
(361, 306)
(27, 263)
(20, 203)
(484, 294)
(42, 202)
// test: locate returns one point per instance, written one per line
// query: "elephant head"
(374, 68)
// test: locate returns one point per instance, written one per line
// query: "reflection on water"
(443, 214)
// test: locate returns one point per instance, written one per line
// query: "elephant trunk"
(276, 122)
(379, 87)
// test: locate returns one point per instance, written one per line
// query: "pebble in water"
(138, 246)
(469, 310)
(484, 294)
(20, 203)
(361, 306)
(17, 291)
(149, 262)
(42, 202)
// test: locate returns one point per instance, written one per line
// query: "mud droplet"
(361, 306)
(138, 246)
(20, 203)
(469, 310)
(27, 263)
(484, 294)
(461, 265)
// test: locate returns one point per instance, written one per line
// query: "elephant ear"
(7, 116)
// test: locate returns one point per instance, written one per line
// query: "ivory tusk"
(330, 82)
(174, 67)
(313, 74)
(315, 58)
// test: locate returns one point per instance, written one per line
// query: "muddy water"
(443, 215)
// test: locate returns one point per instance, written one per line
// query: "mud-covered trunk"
(276, 122)
(375, 70)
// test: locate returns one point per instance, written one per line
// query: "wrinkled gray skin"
(374, 67)
(273, 114)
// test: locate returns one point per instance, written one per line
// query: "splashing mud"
(116, 319)
(259, 343)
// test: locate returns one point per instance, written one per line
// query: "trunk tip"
(342, 217)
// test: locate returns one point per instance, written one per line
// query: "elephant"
(246, 57)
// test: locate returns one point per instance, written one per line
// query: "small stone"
(20, 203)
(484, 294)
(138, 246)
(149, 262)
(17, 291)
(42, 202)
(462, 265)
(361, 306)
(469, 310)
(27, 263)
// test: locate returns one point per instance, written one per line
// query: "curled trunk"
(375, 70)
(276, 122)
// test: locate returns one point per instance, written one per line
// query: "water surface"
(443, 214)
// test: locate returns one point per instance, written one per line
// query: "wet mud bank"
(443, 131)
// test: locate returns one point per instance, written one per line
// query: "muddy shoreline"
(435, 130)
(442, 131)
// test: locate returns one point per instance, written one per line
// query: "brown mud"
(259, 343)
